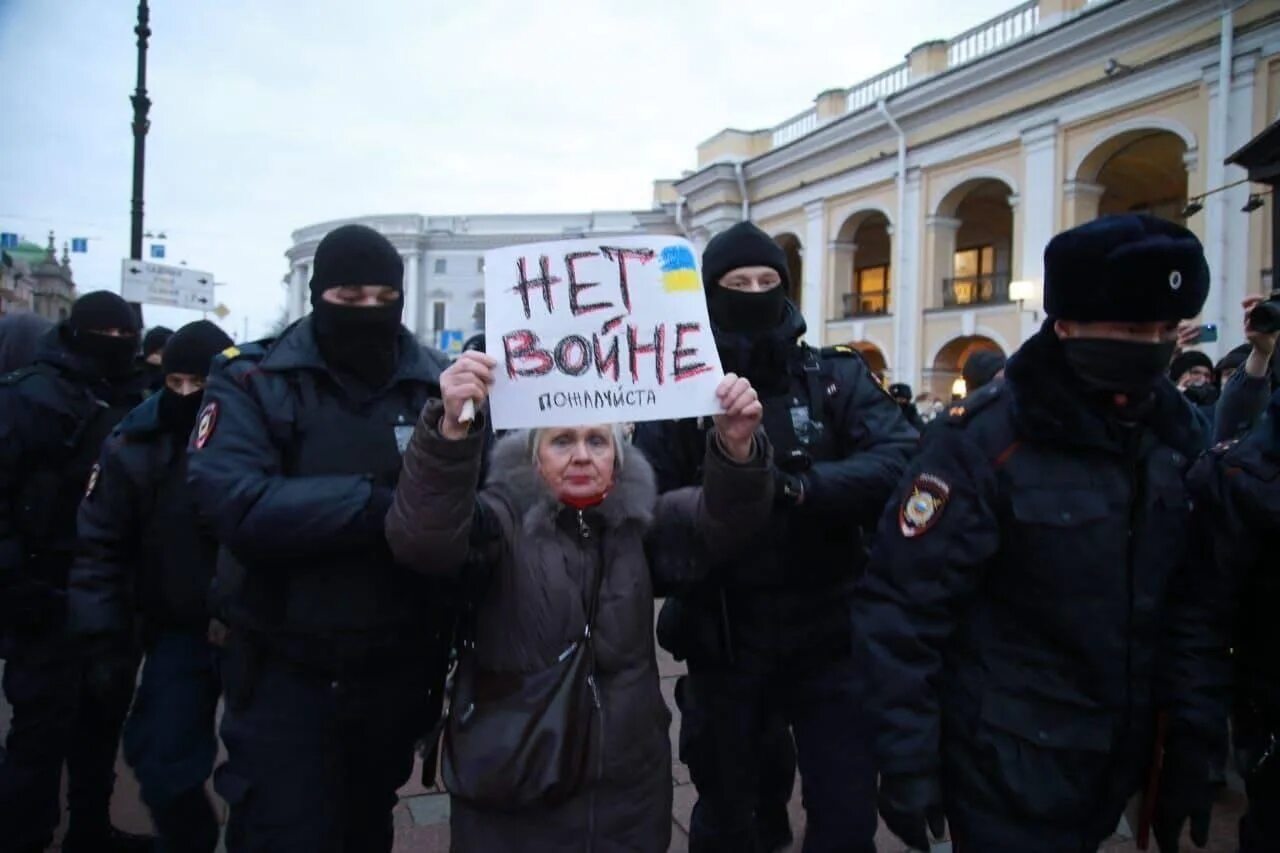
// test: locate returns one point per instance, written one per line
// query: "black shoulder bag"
(515, 741)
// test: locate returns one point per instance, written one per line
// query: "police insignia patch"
(204, 426)
(94, 473)
(923, 505)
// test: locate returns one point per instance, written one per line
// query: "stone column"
(1082, 200)
(942, 252)
(1236, 284)
(908, 285)
(843, 265)
(815, 263)
(412, 293)
(1039, 198)
(297, 289)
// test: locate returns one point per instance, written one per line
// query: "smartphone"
(1206, 334)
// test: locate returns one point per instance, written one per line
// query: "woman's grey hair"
(618, 432)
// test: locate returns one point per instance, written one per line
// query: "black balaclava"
(155, 339)
(361, 341)
(751, 314)
(190, 350)
(110, 357)
(751, 334)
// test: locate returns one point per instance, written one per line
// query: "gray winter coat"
(533, 607)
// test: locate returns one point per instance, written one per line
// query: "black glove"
(910, 802)
(1185, 794)
(788, 489)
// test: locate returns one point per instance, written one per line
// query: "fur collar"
(511, 472)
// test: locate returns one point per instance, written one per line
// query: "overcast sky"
(269, 115)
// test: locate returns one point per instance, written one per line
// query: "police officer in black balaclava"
(54, 416)
(141, 584)
(153, 343)
(336, 658)
(768, 640)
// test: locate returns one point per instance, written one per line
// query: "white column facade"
(1216, 207)
(297, 287)
(1236, 285)
(412, 293)
(813, 296)
(908, 317)
(1037, 204)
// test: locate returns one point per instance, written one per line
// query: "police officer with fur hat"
(54, 416)
(767, 639)
(335, 661)
(1032, 604)
(141, 584)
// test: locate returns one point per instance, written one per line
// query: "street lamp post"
(141, 106)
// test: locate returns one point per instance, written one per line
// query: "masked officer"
(54, 416)
(143, 576)
(153, 343)
(769, 638)
(1031, 603)
(1237, 486)
(335, 657)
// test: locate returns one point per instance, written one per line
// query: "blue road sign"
(8, 240)
(157, 250)
(79, 244)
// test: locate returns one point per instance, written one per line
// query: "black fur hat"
(1125, 268)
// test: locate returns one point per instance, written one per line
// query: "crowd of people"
(998, 620)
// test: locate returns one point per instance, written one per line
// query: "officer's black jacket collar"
(1048, 403)
(297, 348)
(143, 419)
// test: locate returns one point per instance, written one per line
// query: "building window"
(870, 292)
(437, 315)
(477, 316)
(442, 265)
(974, 279)
(480, 265)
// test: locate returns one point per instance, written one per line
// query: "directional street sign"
(161, 284)
(221, 311)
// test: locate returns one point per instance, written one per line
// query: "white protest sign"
(598, 331)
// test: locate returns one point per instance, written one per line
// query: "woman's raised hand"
(467, 380)
(740, 416)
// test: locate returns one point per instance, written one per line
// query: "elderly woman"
(570, 510)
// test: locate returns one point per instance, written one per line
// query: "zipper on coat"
(584, 534)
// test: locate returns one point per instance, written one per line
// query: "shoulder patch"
(840, 351)
(1222, 447)
(231, 352)
(963, 412)
(922, 507)
(205, 424)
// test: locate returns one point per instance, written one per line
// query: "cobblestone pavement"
(422, 815)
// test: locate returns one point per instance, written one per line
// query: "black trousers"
(56, 720)
(315, 759)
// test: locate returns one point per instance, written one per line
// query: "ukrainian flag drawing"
(679, 272)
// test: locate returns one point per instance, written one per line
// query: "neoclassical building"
(444, 259)
(915, 206)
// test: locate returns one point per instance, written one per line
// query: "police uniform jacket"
(145, 563)
(1238, 486)
(54, 416)
(845, 439)
(1031, 601)
(293, 467)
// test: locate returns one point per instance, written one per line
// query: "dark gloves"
(788, 489)
(1185, 794)
(910, 802)
(110, 670)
